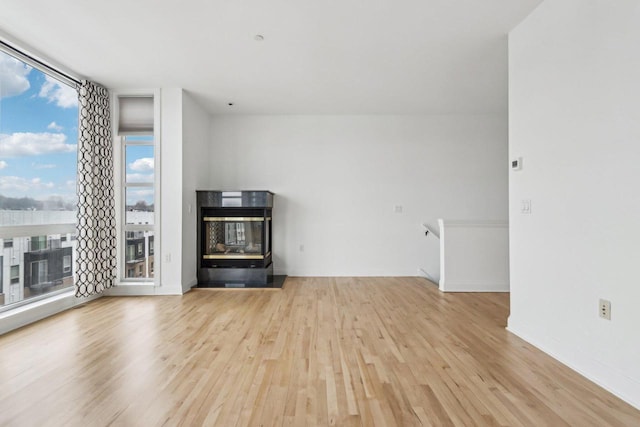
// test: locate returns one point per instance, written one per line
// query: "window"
(138, 157)
(38, 134)
(15, 274)
(39, 270)
(66, 263)
(38, 243)
(131, 253)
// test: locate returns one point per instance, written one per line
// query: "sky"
(38, 133)
(140, 168)
(39, 136)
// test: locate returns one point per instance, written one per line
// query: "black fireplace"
(234, 239)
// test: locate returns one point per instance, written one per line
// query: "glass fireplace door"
(233, 237)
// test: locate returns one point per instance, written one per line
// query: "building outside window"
(66, 263)
(38, 243)
(39, 271)
(131, 253)
(15, 274)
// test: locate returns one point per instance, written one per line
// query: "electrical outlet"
(605, 309)
(516, 164)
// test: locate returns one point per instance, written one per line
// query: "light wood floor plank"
(320, 352)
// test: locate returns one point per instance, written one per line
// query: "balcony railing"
(47, 245)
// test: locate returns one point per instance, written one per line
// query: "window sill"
(38, 310)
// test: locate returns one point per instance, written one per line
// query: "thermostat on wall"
(516, 164)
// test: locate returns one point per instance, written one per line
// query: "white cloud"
(54, 126)
(3, 164)
(144, 164)
(13, 76)
(13, 184)
(64, 96)
(139, 177)
(33, 144)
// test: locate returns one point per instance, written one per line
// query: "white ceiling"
(317, 57)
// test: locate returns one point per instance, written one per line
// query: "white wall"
(171, 192)
(574, 110)
(338, 178)
(196, 138)
(474, 256)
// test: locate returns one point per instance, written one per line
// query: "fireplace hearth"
(234, 239)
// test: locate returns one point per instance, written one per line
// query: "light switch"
(525, 206)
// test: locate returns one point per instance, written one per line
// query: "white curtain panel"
(96, 244)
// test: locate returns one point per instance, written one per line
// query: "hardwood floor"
(323, 351)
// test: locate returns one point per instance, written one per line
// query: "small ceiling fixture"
(258, 37)
(230, 104)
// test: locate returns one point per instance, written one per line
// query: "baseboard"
(141, 289)
(474, 286)
(190, 284)
(422, 273)
(131, 290)
(605, 376)
(164, 290)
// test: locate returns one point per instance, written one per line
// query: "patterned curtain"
(96, 245)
